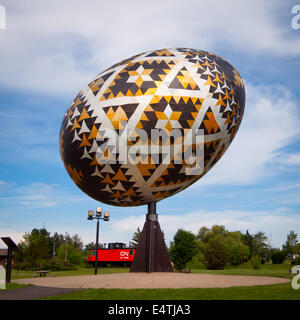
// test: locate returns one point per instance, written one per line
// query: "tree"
(55, 242)
(39, 248)
(248, 241)
(71, 250)
(183, 248)
(277, 256)
(291, 243)
(237, 251)
(136, 238)
(57, 239)
(74, 256)
(204, 234)
(35, 249)
(216, 254)
(258, 244)
(76, 241)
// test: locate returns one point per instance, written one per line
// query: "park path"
(32, 293)
(153, 280)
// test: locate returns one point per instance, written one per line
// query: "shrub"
(216, 253)
(256, 262)
(56, 265)
(24, 266)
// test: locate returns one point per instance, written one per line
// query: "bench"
(42, 273)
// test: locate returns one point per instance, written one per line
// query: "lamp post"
(98, 216)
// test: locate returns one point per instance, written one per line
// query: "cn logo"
(124, 254)
(2, 18)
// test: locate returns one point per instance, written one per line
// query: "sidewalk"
(32, 293)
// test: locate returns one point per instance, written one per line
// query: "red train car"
(116, 254)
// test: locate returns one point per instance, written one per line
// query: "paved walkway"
(32, 293)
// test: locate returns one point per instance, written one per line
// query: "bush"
(256, 262)
(278, 257)
(59, 265)
(25, 266)
(216, 254)
(56, 265)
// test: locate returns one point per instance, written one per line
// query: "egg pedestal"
(151, 254)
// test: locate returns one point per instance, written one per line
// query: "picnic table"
(42, 273)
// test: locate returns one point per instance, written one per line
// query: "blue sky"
(50, 51)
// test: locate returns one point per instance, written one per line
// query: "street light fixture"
(106, 216)
(90, 214)
(99, 212)
(98, 216)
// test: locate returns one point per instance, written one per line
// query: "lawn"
(270, 292)
(267, 270)
(13, 286)
(79, 272)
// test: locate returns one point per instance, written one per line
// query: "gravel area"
(152, 280)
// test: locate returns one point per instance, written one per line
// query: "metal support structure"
(98, 216)
(9, 265)
(151, 254)
(97, 245)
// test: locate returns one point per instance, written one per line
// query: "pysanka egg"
(151, 125)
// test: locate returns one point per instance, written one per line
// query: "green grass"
(267, 270)
(13, 286)
(270, 292)
(80, 272)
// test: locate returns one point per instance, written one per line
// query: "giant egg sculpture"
(116, 136)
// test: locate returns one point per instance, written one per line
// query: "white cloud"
(291, 159)
(276, 224)
(14, 235)
(39, 195)
(57, 48)
(271, 122)
(285, 188)
(3, 186)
